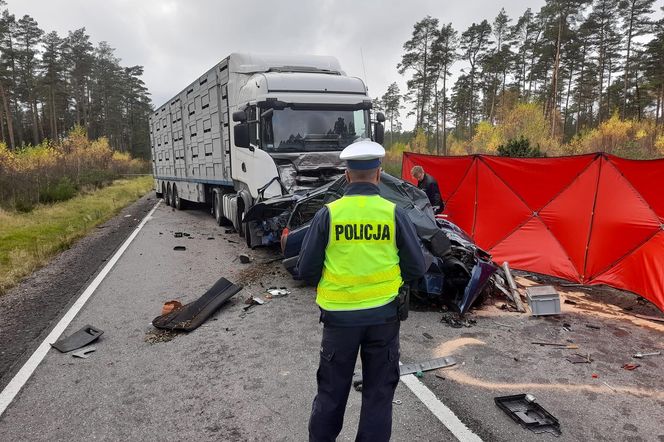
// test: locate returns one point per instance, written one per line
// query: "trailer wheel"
(217, 208)
(179, 203)
(163, 191)
(173, 190)
(167, 195)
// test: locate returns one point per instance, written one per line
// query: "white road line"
(440, 410)
(18, 381)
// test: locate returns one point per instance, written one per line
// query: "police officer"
(429, 185)
(359, 250)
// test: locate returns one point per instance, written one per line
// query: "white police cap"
(363, 154)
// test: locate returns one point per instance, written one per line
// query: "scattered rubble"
(156, 336)
(643, 355)
(577, 358)
(457, 321)
(274, 292)
(245, 259)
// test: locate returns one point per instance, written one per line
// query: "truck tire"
(217, 208)
(163, 191)
(178, 202)
(173, 195)
(167, 195)
(241, 226)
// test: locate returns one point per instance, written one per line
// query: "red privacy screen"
(594, 219)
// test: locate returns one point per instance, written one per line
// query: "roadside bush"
(519, 148)
(62, 191)
(51, 172)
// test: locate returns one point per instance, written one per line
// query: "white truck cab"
(256, 127)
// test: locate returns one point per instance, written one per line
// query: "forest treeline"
(50, 84)
(575, 76)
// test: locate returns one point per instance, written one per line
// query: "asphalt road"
(252, 376)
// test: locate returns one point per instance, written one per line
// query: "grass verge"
(29, 240)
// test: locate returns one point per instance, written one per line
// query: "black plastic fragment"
(192, 315)
(529, 414)
(79, 339)
(179, 248)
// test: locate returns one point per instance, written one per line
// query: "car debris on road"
(194, 314)
(459, 271)
(86, 335)
(524, 409)
(84, 353)
(643, 355)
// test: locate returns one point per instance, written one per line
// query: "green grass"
(29, 240)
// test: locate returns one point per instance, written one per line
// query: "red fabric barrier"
(593, 219)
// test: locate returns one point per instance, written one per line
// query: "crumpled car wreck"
(459, 271)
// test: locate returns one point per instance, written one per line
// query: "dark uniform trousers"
(379, 349)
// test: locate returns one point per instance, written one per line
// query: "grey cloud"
(177, 40)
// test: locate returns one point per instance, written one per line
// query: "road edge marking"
(440, 410)
(14, 386)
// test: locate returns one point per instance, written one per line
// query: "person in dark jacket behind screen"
(430, 186)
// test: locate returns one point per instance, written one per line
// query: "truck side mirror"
(240, 116)
(380, 117)
(241, 134)
(379, 132)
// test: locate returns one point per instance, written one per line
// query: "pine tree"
(417, 59)
(391, 101)
(28, 38)
(636, 22)
(474, 46)
(53, 82)
(444, 56)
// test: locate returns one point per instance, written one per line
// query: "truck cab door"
(252, 166)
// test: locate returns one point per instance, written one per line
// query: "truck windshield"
(289, 130)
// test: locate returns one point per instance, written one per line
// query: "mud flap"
(192, 315)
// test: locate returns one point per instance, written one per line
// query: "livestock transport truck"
(256, 127)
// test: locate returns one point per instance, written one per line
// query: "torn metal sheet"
(192, 315)
(416, 368)
(433, 364)
(523, 409)
(84, 353)
(80, 338)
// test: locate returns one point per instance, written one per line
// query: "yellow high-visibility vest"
(361, 268)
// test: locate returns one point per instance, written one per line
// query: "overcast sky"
(177, 40)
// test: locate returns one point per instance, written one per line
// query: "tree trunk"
(638, 96)
(8, 116)
(2, 127)
(35, 123)
(569, 88)
(445, 111)
(554, 80)
(629, 47)
(437, 120)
